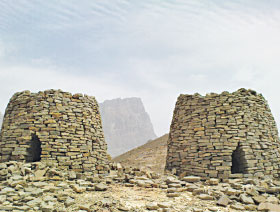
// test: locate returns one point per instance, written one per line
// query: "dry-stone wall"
(223, 136)
(57, 127)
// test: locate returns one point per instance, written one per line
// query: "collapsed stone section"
(57, 127)
(223, 135)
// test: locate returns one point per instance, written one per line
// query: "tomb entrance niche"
(35, 150)
(238, 161)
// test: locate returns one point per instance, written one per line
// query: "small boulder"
(250, 207)
(213, 181)
(223, 201)
(69, 201)
(231, 191)
(191, 179)
(173, 194)
(273, 190)
(205, 197)
(164, 204)
(266, 206)
(259, 199)
(85, 207)
(272, 199)
(252, 191)
(246, 199)
(122, 208)
(47, 207)
(237, 207)
(152, 206)
(72, 175)
(79, 189)
(213, 209)
(101, 187)
(39, 174)
(171, 190)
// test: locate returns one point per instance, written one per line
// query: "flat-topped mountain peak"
(126, 124)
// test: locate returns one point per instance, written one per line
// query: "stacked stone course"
(223, 136)
(57, 127)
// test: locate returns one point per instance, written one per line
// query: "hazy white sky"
(152, 49)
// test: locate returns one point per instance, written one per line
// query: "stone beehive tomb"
(223, 136)
(54, 126)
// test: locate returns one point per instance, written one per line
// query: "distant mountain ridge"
(126, 124)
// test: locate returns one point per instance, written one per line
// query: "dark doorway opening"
(35, 150)
(238, 160)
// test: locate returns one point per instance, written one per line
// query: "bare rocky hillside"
(150, 156)
(126, 124)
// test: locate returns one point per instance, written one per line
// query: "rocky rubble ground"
(42, 187)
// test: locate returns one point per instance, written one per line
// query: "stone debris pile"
(41, 187)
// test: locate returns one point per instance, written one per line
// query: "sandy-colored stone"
(259, 199)
(152, 206)
(101, 187)
(266, 206)
(246, 199)
(205, 197)
(191, 179)
(223, 201)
